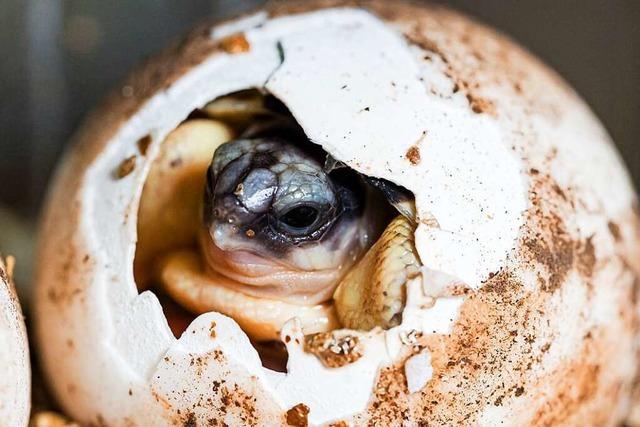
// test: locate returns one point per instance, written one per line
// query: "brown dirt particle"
(501, 283)
(559, 191)
(413, 155)
(587, 258)
(190, 420)
(235, 43)
(126, 167)
(143, 144)
(480, 105)
(428, 45)
(557, 256)
(212, 330)
(333, 350)
(297, 416)
(614, 229)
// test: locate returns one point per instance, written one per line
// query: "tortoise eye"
(300, 217)
(303, 220)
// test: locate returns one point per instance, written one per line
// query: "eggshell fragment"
(526, 309)
(15, 379)
(418, 371)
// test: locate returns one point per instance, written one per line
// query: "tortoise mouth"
(260, 289)
(265, 276)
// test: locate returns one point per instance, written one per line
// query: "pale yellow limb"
(185, 279)
(373, 293)
(239, 109)
(50, 419)
(169, 212)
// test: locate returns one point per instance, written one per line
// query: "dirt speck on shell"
(190, 420)
(413, 155)
(126, 167)
(297, 416)
(235, 43)
(614, 229)
(143, 144)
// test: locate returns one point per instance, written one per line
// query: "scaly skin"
(373, 292)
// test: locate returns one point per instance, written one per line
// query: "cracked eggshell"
(529, 233)
(15, 380)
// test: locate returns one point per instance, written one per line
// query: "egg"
(15, 381)
(528, 232)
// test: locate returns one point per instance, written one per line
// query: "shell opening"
(170, 254)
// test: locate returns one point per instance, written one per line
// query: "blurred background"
(59, 58)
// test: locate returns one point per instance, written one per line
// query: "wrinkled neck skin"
(305, 275)
(255, 233)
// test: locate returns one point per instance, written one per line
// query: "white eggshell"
(418, 371)
(527, 232)
(15, 379)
